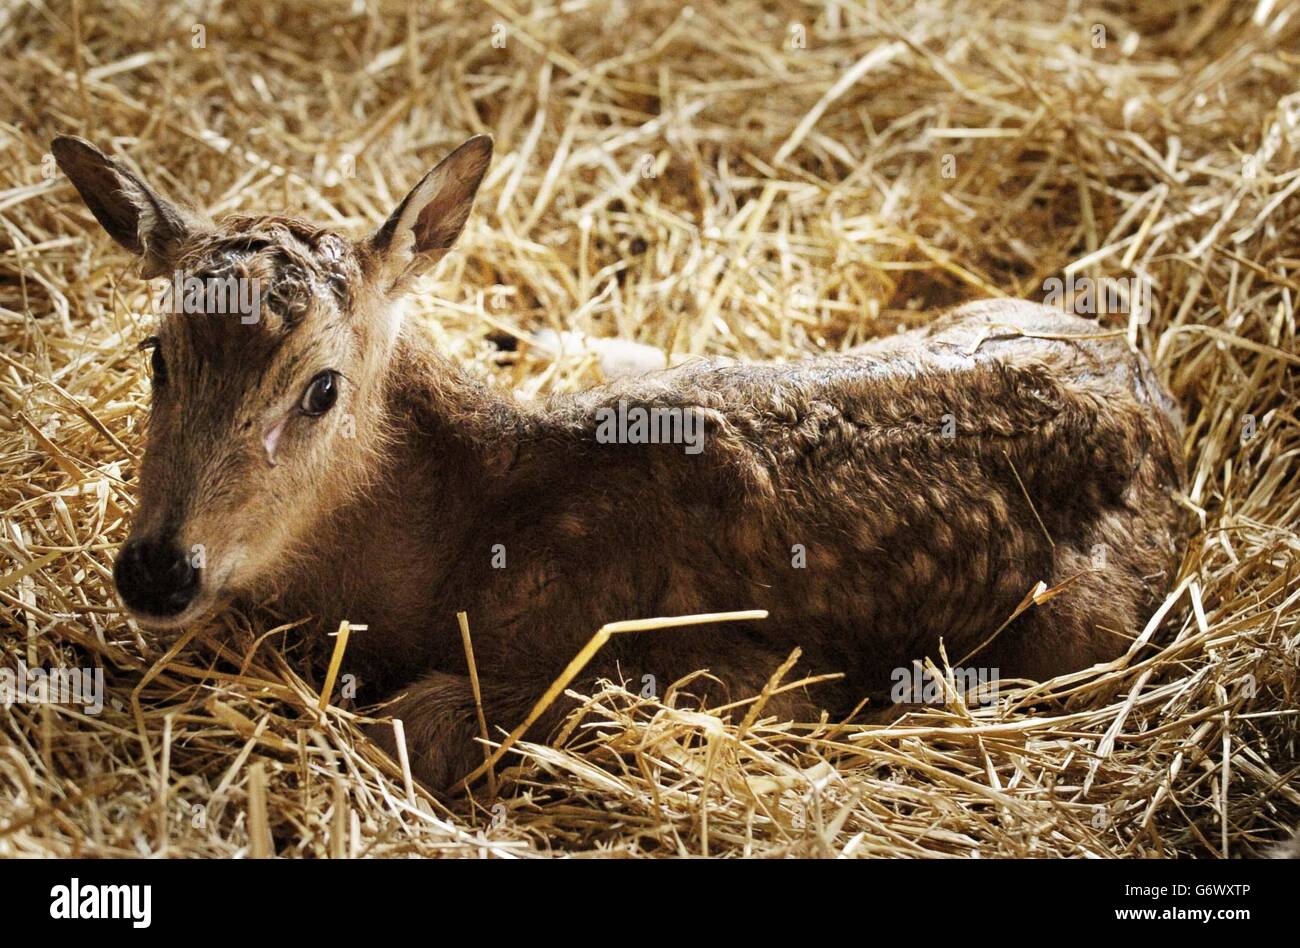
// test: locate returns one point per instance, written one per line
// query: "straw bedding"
(755, 180)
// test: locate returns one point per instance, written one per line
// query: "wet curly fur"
(1058, 463)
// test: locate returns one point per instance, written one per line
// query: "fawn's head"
(268, 372)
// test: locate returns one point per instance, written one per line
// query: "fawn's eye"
(157, 365)
(321, 394)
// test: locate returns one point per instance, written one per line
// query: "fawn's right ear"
(427, 222)
(133, 213)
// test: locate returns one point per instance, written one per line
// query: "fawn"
(878, 503)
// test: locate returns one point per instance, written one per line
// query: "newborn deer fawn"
(877, 503)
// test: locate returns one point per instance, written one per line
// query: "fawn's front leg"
(440, 719)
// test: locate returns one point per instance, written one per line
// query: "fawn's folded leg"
(440, 720)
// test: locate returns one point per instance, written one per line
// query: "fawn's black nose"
(154, 577)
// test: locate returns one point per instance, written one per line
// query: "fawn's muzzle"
(155, 577)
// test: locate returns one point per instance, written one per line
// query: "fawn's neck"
(388, 555)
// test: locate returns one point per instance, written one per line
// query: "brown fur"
(911, 538)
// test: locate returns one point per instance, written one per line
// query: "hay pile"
(760, 180)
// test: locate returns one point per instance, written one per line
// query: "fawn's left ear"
(427, 222)
(132, 212)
